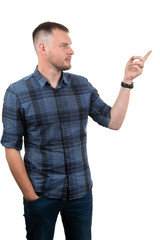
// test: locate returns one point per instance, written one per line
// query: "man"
(49, 109)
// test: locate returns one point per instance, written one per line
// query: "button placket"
(61, 112)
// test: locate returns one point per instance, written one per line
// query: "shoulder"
(76, 79)
(20, 85)
(80, 82)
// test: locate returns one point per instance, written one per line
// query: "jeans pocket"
(32, 201)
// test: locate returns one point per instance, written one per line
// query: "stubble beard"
(58, 64)
(60, 67)
(65, 68)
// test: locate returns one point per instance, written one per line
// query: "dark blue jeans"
(41, 215)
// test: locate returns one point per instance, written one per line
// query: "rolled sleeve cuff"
(12, 141)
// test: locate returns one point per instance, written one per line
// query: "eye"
(63, 46)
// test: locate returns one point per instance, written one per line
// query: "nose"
(71, 52)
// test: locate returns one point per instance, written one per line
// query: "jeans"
(41, 215)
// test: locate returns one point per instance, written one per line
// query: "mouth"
(68, 59)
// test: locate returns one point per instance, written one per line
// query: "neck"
(50, 74)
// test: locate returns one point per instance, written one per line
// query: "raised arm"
(133, 69)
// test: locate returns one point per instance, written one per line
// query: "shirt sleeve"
(99, 110)
(13, 130)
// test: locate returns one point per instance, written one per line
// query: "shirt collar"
(38, 76)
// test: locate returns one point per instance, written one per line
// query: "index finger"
(147, 55)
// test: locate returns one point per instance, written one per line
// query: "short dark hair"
(47, 27)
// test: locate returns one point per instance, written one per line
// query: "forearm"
(18, 170)
(119, 109)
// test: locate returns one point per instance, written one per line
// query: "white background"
(124, 164)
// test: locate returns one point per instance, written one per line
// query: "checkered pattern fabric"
(53, 124)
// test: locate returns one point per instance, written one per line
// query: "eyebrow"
(64, 43)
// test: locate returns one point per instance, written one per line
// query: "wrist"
(127, 81)
(126, 85)
(31, 197)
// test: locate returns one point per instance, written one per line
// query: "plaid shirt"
(53, 124)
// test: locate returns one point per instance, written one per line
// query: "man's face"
(60, 51)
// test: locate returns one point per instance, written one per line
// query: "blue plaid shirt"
(53, 124)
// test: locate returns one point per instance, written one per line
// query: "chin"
(66, 68)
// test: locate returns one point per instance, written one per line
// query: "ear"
(42, 48)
